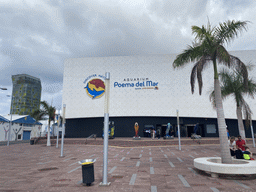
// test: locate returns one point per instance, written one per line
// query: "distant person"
(228, 133)
(240, 146)
(196, 128)
(232, 146)
(152, 133)
(158, 133)
(172, 133)
(247, 154)
(240, 143)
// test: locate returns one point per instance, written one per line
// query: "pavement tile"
(21, 163)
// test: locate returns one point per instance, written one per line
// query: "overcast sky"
(36, 36)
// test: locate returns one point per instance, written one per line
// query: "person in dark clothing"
(158, 133)
(196, 128)
(240, 146)
(239, 154)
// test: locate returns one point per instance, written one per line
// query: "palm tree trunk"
(48, 136)
(240, 122)
(224, 147)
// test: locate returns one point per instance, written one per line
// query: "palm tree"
(233, 85)
(46, 110)
(209, 48)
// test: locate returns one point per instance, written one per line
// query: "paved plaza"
(155, 168)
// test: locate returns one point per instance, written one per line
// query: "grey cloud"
(177, 12)
(37, 40)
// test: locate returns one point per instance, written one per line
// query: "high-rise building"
(26, 94)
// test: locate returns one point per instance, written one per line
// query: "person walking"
(153, 133)
(196, 128)
(158, 133)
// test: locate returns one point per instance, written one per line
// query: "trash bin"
(87, 171)
(32, 141)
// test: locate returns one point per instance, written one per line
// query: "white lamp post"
(58, 125)
(10, 122)
(106, 127)
(63, 131)
(178, 123)
(10, 126)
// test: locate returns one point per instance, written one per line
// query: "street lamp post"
(106, 128)
(10, 126)
(63, 131)
(58, 125)
(10, 122)
(178, 123)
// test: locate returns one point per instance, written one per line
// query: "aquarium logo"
(95, 88)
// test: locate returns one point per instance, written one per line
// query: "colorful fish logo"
(95, 88)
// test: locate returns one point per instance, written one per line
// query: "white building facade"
(144, 89)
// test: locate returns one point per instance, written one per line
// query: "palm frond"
(199, 33)
(240, 67)
(38, 114)
(223, 56)
(47, 110)
(203, 33)
(247, 110)
(197, 72)
(227, 31)
(212, 99)
(251, 91)
(44, 105)
(247, 113)
(189, 55)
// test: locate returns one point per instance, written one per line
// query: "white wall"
(173, 92)
(4, 128)
(35, 131)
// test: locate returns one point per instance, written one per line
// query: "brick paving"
(158, 166)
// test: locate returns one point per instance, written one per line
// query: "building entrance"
(26, 135)
(162, 128)
(190, 129)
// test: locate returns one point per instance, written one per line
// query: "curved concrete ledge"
(215, 167)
